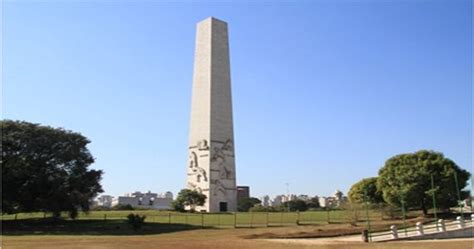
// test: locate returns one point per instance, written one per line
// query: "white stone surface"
(211, 163)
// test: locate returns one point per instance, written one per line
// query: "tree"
(295, 205)
(245, 204)
(368, 185)
(187, 197)
(407, 177)
(313, 203)
(46, 169)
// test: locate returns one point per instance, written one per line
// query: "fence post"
(404, 215)
(441, 226)
(169, 217)
(460, 222)
(186, 219)
(105, 216)
(235, 219)
(365, 235)
(327, 215)
(202, 220)
(394, 231)
(266, 221)
(419, 228)
(281, 219)
(251, 219)
(16, 216)
(297, 217)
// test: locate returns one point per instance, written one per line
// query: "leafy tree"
(407, 177)
(356, 193)
(46, 169)
(245, 204)
(136, 221)
(187, 197)
(313, 203)
(295, 205)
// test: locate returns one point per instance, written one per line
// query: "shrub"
(123, 207)
(135, 220)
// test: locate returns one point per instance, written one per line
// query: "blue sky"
(323, 91)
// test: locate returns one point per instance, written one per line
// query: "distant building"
(146, 200)
(334, 201)
(290, 197)
(104, 201)
(243, 192)
(329, 202)
(303, 197)
(277, 201)
(129, 200)
(265, 201)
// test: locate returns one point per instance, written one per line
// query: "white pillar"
(419, 228)
(441, 226)
(460, 222)
(393, 228)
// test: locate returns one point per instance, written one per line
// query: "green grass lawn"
(240, 219)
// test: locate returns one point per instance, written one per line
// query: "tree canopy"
(366, 185)
(407, 177)
(244, 204)
(190, 198)
(46, 169)
(295, 205)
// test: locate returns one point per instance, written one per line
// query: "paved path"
(377, 237)
(412, 233)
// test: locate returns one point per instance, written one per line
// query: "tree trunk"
(423, 207)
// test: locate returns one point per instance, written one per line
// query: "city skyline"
(319, 96)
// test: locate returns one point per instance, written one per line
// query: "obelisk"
(211, 163)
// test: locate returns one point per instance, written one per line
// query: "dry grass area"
(210, 239)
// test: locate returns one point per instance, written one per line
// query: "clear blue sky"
(324, 91)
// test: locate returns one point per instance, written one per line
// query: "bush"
(260, 208)
(136, 221)
(123, 207)
(100, 208)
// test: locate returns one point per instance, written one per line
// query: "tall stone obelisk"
(211, 164)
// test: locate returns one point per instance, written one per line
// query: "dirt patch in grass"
(330, 230)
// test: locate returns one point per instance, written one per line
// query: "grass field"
(244, 219)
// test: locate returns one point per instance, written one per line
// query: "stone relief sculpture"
(225, 172)
(218, 186)
(227, 145)
(219, 158)
(194, 187)
(195, 169)
(202, 145)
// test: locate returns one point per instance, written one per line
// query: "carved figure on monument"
(202, 145)
(225, 172)
(194, 187)
(195, 169)
(227, 145)
(218, 186)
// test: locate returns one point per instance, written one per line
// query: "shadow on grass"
(86, 227)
